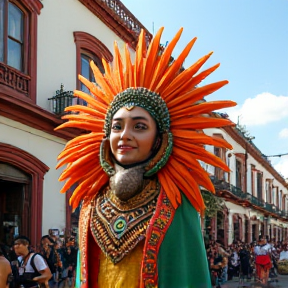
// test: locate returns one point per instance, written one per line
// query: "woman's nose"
(126, 134)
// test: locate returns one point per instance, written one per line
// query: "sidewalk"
(282, 283)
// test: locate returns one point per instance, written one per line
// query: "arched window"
(89, 48)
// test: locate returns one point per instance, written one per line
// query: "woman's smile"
(125, 148)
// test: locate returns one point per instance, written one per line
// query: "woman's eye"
(116, 126)
(140, 126)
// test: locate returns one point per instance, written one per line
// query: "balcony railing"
(61, 100)
(222, 185)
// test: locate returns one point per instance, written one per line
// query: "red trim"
(34, 6)
(95, 46)
(36, 169)
(156, 231)
(21, 109)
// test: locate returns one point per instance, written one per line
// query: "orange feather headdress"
(153, 72)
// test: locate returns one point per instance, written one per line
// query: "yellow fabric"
(125, 274)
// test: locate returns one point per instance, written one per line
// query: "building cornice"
(118, 18)
(23, 110)
(256, 154)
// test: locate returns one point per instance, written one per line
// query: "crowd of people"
(258, 261)
(56, 264)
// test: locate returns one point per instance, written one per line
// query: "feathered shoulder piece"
(172, 95)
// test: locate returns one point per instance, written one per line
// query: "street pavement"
(282, 283)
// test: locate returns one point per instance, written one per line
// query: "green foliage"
(213, 204)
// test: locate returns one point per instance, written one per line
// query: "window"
(89, 48)
(12, 35)
(238, 174)
(252, 179)
(219, 152)
(86, 71)
(259, 186)
(18, 47)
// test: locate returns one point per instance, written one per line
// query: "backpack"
(49, 261)
(15, 279)
(33, 264)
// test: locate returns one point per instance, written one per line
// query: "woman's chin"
(126, 160)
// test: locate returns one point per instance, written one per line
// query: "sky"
(250, 40)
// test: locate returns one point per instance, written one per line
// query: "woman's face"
(132, 136)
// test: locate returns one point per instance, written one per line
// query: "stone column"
(249, 231)
(272, 231)
(257, 229)
(265, 226)
(230, 228)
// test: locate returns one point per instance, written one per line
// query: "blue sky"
(250, 40)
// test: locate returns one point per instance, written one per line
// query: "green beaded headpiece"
(141, 97)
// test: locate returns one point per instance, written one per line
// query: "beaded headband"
(144, 98)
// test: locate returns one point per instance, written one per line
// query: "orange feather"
(85, 109)
(75, 153)
(183, 77)
(152, 56)
(198, 122)
(92, 101)
(129, 69)
(194, 95)
(82, 125)
(169, 187)
(202, 108)
(109, 89)
(200, 138)
(202, 154)
(174, 68)
(164, 61)
(84, 137)
(118, 67)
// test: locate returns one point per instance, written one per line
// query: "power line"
(279, 155)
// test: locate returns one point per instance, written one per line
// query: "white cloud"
(262, 109)
(283, 133)
(282, 166)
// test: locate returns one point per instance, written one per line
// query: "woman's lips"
(125, 148)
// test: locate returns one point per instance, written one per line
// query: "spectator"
(263, 262)
(31, 272)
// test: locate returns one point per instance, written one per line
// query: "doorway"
(14, 203)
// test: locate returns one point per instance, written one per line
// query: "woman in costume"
(138, 181)
(262, 260)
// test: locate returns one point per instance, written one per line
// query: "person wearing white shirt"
(284, 253)
(29, 277)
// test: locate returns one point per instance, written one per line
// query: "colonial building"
(44, 45)
(255, 195)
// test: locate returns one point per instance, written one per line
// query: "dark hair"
(261, 237)
(49, 238)
(23, 239)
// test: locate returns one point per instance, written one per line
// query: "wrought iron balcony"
(61, 100)
(221, 185)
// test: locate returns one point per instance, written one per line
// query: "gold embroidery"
(118, 226)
